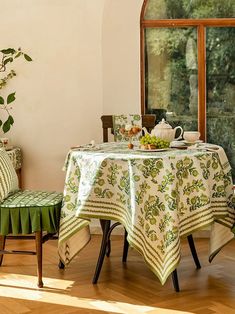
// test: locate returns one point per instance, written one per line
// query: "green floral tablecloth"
(15, 155)
(157, 196)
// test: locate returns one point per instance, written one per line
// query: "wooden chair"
(148, 121)
(26, 212)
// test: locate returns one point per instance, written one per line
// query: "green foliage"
(183, 9)
(8, 56)
(27, 57)
(7, 124)
(169, 46)
(10, 98)
(220, 63)
(209, 9)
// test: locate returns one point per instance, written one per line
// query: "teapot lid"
(163, 125)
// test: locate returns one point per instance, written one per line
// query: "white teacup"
(191, 136)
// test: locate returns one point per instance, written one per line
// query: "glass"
(185, 9)
(171, 79)
(220, 65)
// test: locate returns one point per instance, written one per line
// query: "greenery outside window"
(188, 67)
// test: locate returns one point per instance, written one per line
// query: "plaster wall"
(86, 62)
(121, 56)
(59, 96)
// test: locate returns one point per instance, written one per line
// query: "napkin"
(92, 144)
(217, 149)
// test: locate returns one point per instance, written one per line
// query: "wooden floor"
(130, 288)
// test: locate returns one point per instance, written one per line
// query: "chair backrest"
(148, 121)
(8, 177)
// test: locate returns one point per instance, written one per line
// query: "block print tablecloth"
(15, 155)
(157, 196)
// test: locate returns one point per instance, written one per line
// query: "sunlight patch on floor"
(30, 282)
(24, 287)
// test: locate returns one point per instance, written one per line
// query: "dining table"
(159, 196)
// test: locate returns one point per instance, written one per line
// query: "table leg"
(193, 251)
(125, 248)
(103, 248)
(108, 250)
(175, 280)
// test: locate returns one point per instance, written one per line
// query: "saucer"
(192, 143)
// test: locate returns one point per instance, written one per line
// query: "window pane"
(220, 65)
(171, 89)
(185, 9)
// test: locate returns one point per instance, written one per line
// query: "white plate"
(152, 150)
(176, 144)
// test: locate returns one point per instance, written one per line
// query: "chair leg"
(103, 248)
(193, 251)
(108, 249)
(61, 265)
(175, 280)
(125, 248)
(2, 247)
(38, 240)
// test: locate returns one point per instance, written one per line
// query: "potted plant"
(8, 56)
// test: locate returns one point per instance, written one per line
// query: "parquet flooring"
(130, 288)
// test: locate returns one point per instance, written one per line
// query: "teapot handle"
(145, 130)
(181, 133)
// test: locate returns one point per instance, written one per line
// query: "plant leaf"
(8, 60)
(8, 51)
(1, 100)
(11, 120)
(6, 126)
(27, 57)
(11, 98)
(0, 122)
(18, 54)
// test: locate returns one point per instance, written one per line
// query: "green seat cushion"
(25, 212)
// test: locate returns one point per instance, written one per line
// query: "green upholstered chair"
(26, 212)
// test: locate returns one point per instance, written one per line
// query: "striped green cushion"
(26, 212)
(29, 198)
(8, 176)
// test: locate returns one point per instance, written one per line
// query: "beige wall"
(121, 56)
(59, 94)
(85, 63)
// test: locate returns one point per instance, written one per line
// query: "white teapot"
(165, 131)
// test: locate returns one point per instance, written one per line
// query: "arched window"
(188, 66)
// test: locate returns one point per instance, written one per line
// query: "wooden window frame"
(201, 25)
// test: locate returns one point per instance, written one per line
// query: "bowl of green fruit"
(151, 142)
